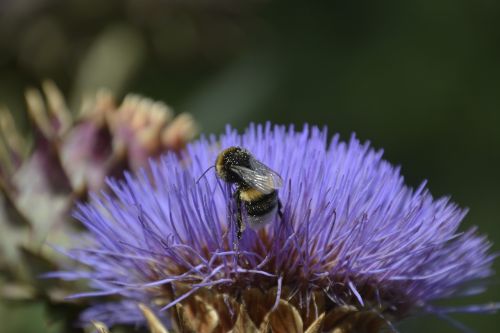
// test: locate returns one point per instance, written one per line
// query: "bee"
(256, 187)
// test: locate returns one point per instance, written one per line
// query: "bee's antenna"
(213, 166)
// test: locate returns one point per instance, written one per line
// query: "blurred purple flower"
(356, 250)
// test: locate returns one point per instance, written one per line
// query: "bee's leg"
(239, 218)
(280, 211)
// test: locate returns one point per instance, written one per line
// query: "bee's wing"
(259, 176)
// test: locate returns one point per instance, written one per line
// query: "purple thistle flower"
(355, 250)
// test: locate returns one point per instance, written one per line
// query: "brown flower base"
(258, 312)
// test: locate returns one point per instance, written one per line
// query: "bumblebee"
(256, 187)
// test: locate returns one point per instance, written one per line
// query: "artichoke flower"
(354, 249)
(40, 179)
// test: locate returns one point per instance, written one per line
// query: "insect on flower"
(256, 187)
(355, 250)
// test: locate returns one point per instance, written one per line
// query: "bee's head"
(230, 157)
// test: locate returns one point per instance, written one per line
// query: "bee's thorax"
(232, 156)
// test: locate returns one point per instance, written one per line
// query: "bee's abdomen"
(259, 204)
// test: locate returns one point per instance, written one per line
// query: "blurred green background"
(419, 78)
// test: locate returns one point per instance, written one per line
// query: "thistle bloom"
(354, 251)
